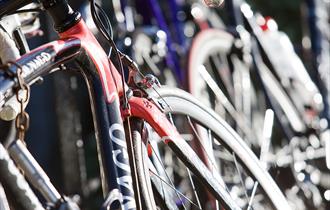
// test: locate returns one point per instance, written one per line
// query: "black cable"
(100, 26)
(105, 17)
(108, 25)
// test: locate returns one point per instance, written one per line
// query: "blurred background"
(62, 138)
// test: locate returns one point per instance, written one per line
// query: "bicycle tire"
(181, 102)
(289, 120)
(224, 82)
(205, 43)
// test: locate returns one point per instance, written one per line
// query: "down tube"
(111, 144)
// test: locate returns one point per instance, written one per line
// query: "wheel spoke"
(252, 195)
(176, 191)
(189, 173)
(168, 177)
(194, 189)
(240, 176)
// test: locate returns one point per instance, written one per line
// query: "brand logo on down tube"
(36, 62)
(124, 181)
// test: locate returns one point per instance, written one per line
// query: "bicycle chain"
(22, 120)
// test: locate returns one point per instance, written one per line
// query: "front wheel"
(176, 185)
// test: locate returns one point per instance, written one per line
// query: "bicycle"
(117, 107)
(248, 82)
(166, 28)
(318, 36)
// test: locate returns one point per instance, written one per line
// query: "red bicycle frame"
(104, 84)
(105, 88)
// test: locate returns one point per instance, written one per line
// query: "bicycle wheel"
(224, 82)
(216, 144)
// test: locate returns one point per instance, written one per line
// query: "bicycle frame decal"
(43, 58)
(37, 62)
(120, 158)
(121, 142)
